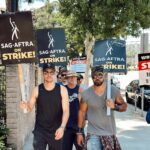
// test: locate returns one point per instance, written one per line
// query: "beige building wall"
(20, 124)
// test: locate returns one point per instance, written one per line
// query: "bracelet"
(79, 133)
(116, 108)
(80, 130)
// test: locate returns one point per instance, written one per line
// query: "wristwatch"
(116, 107)
(62, 127)
(80, 131)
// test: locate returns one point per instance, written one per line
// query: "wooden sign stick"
(22, 84)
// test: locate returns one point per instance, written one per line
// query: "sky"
(131, 39)
(2, 4)
(26, 6)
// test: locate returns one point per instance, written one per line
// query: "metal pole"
(12, 5)
(108, 92)
(135, 104)
(142, 103)
(144, 42)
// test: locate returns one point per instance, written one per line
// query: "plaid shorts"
(108, 142)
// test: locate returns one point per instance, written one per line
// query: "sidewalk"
(132, 131)
(28, 144)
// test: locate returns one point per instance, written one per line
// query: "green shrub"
(2, 144)
(3, 135)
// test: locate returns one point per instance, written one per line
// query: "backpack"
(148, 116)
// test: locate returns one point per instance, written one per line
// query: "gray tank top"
(98, 121)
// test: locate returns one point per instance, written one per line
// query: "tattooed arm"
(120, 103)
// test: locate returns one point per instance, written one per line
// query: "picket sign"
(111, 53)
(22, 84)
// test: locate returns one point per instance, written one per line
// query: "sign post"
(142, 103)
(22, 84)
(135, 103)
(108, 92)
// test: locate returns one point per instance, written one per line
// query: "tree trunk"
(89, 44)
(8, 5)
(11, 5)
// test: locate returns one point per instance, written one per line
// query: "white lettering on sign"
(17, 44)
(113, 66)
(110, 59)
(54, 51)
(56, 59)
(145, 65)
(18, 55)
(43, 52)
(145, 57)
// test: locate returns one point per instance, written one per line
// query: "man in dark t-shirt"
(74, 91)
(52, 111)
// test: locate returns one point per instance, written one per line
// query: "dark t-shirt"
(73, 107)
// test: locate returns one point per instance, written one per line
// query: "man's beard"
(98, 83)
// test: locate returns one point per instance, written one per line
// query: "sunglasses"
(63, 75)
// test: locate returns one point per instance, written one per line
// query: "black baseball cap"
(49, 66)
(99, 68)
(63, 69)
(80, 77)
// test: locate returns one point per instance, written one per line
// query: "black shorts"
(42, 139)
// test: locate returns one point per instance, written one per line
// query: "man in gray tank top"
(101, 130)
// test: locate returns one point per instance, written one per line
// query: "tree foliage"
(102, 19)
(50, 17)
(43, 17)
(99, 18)
(108, 18)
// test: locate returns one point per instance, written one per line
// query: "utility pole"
(144, 43)
(143, 49)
